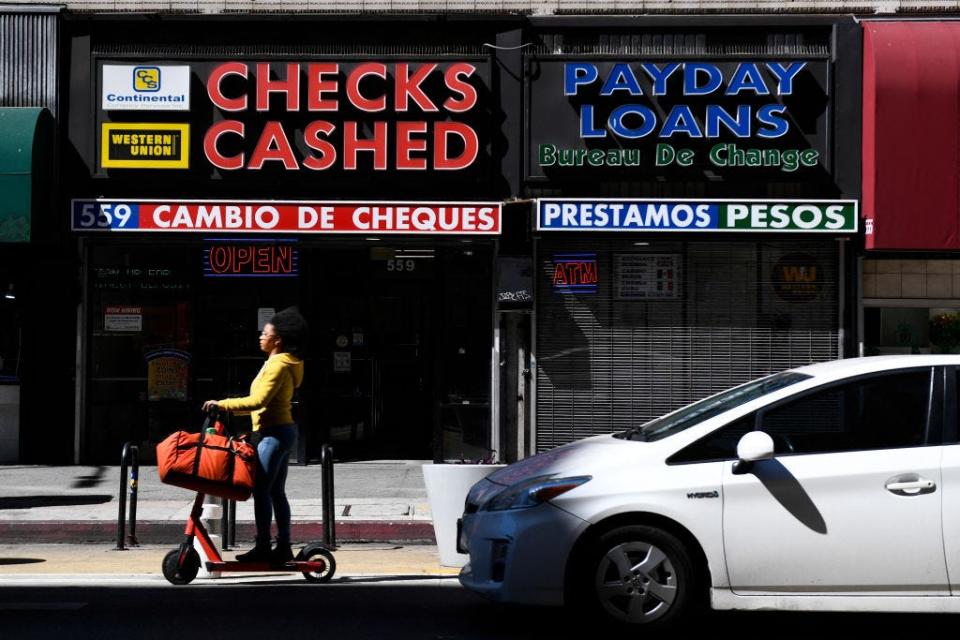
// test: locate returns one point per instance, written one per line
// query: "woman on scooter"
(282, 339)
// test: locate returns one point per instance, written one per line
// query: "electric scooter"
(180, 566)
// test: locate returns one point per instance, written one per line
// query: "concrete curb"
(171, 532)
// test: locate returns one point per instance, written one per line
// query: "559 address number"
(105, 215)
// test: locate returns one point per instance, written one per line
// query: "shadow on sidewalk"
(28, 502)
(92, 480)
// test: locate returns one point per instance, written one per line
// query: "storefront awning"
(21, 141)
(911, 135)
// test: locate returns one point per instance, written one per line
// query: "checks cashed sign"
(211, 216)
(746, 216)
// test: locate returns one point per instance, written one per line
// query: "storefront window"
(911, 306)
(397, 365)
(141, 352)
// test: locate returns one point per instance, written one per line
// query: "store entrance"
(398, 364)
(392, 339)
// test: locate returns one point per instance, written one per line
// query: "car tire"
(636, 576)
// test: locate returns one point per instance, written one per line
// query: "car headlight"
(532, 491)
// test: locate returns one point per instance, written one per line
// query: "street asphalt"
(382, 502)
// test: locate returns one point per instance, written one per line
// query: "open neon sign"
(251, 259)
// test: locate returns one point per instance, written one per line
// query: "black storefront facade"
(696, 200)
(223, 169)
(529, 231)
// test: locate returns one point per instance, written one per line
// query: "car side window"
(719, 445)
(880, 412)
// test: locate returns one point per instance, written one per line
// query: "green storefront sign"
(748, 216)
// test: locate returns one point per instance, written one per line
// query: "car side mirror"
(753, 447)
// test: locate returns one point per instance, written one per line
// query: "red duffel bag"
(207, 462)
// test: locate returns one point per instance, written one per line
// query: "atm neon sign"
(575, 273)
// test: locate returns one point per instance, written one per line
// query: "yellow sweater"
(270, 392)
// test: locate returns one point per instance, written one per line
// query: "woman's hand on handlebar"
(211, 406)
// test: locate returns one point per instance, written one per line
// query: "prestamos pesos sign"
(746, 216)
(228, 216)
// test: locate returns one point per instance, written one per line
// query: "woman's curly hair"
(292, 329)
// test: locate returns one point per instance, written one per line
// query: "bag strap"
(196, 458)
(231, 458)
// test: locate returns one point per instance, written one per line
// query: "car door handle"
(911, 487)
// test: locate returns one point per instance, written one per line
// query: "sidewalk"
(55, 561)
(382, 501)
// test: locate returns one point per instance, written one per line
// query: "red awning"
(911, 135)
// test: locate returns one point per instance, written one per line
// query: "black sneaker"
(281, 554)
(259, 553)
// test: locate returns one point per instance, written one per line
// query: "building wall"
(536, 7)
(916, 278)
(40, 338)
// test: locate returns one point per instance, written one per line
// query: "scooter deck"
(309, 566)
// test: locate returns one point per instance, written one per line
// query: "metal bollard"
(228, 524)
(233, 524)
(225, 524)
(326, 496)
(129, 456)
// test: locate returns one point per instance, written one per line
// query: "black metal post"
(122, 498)
(326, 496)
(134, 490)
(130, 453)
(225, 524)
(233, 524)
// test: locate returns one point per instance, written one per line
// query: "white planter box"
(447, 488)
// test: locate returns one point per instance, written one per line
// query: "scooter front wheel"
(181, 573)
(316, 552)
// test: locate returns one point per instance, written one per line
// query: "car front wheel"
(638, 575)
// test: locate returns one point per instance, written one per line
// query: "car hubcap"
(635, 582)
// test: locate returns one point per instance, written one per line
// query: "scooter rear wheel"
(185, 573)
(314, 552)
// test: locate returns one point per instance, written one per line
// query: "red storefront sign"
(395, 90)
(242, 216)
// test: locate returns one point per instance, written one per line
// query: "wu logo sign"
(799, 274)
(797, 277)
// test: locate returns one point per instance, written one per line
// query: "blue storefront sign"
(745, 216)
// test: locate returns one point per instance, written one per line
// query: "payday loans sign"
(734, 118)
(747, 216)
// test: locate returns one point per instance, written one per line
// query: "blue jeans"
(268, 490)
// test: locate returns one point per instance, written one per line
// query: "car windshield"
(697, 412)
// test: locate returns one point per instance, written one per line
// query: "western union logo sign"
(145, 146)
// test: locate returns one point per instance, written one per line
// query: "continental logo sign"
(145, 88)
(145, 146)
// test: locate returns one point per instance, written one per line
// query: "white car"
(831, 487)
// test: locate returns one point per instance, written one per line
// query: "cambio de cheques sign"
(319, 217)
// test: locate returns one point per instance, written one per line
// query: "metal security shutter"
(605, 364)
(28, 58)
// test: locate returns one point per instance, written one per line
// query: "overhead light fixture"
(372, 239)
(10, 295)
